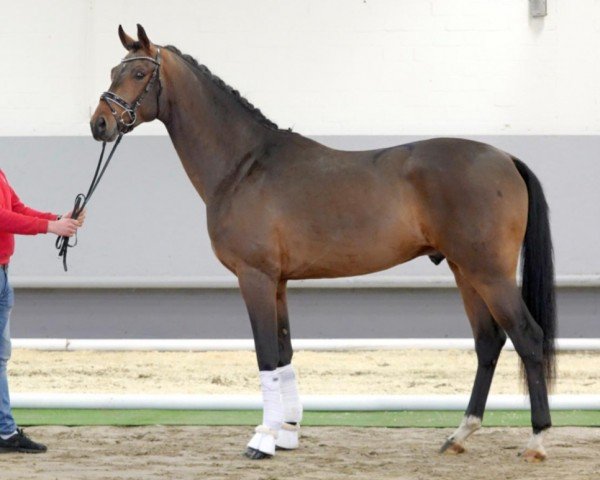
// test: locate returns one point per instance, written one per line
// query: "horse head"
(134, 93)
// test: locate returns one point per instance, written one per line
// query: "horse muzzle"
(102, 130)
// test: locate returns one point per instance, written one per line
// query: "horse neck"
(211, 132)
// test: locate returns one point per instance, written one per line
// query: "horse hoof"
(451, 448)
(533, 456)
(254, 454)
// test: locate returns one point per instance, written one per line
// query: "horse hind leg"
(489, 340)
(509, 310)
(288, 436)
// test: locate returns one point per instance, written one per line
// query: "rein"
(81, 200)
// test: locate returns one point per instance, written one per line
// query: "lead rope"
(81, 200)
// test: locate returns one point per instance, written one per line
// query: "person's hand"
(80, 218)
(66, 227)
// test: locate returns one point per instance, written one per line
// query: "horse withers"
(281, 207)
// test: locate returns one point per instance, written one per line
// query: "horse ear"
(126, 40)
(142, 37)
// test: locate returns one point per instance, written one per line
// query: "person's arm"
(12, 222)
(19, 207)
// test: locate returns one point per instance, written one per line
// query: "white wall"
(324, 67)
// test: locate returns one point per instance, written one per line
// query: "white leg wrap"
(272, 405)
(265, 434)
(468, 425)
(292, 408)
(288, 436)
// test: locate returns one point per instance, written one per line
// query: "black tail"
(537, 267)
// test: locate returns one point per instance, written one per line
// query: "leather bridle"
(130, 109)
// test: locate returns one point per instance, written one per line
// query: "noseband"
(130, 109)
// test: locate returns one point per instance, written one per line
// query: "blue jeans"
(7, 422)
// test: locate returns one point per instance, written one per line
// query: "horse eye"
(140, 75)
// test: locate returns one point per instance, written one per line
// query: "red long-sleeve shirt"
(15, 217)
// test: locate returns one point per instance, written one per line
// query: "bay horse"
(282, 207)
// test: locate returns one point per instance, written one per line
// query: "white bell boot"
(262, 444)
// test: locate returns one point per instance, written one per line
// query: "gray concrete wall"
(146, 220)
(366, 313)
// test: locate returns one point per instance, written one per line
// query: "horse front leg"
(288, 438)
(259, 291)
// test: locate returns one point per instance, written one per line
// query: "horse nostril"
(99, 128)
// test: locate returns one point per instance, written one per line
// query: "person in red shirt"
(17, 218)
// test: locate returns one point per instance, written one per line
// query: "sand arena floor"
(120, 453)
(369, 372)
(181, 453)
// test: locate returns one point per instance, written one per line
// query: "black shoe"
(19, 442)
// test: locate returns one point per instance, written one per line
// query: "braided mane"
(203, 70)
